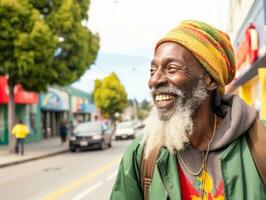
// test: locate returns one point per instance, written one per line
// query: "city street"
(81, 79)
(81, 175)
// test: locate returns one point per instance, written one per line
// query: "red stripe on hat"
(204, 36)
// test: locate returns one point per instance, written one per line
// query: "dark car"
(90, 134)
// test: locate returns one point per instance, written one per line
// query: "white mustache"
(171, 90)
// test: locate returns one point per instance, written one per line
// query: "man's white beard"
(174, 133)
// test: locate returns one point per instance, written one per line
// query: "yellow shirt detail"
(20, 131)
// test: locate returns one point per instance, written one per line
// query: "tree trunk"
(11, 116)
(113, 123)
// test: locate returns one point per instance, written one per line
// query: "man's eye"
(152, 71)
(173, 68)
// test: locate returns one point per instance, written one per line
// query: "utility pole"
(135, 109)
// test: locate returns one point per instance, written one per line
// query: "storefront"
(81, 105)
(250, 52)
(26, 109)
(55, 107)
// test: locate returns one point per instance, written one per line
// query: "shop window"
(2, 124)
(31, 115)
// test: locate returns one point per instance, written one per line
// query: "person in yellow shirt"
(20, 131)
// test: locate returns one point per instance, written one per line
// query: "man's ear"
(210, 83)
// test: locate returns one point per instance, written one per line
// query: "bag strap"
(147, 168)
(256, 140)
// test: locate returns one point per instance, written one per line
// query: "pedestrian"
(71, 127)
(96, 118)
(198, 143)
(63, 132)
(20, 131)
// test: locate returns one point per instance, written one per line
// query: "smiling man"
(197, 143)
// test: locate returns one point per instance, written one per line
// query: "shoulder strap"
(257, 141)
(147, 168)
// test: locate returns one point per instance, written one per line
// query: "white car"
(125, 130)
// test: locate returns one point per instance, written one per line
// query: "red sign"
(21, 96)
(247, 51)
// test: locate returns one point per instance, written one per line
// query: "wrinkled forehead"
(172, 51)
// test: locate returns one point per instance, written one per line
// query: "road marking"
(86, 192)
(111, 176)
(75, 184)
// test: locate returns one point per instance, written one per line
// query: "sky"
(128, 31)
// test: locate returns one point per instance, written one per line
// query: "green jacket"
(241, 179)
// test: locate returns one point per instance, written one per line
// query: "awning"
(20, 95)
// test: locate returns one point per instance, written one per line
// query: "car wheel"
(72, 150)
(110, 144)
(103, 145)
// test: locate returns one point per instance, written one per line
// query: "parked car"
(140, 124)
(90, 134)
(125, 130)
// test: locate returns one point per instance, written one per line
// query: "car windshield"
(88, 128)
(125, 125)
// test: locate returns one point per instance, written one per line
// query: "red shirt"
(191, 192)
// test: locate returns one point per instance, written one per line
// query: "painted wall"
(29, 114)
(3, 125)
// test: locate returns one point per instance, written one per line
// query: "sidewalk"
(33, 151)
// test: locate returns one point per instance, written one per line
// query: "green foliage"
(110, 95)
(43, 42)
(145, 105)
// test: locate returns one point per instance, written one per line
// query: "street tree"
(44, 42)
(141, 109)
(110, 96)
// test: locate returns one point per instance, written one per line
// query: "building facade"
(26, 109)
(246, 27)
(55, 109)
(82, 107)
(44, 112)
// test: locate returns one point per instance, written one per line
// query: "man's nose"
(157, 79)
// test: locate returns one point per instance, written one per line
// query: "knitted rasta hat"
(209, 45)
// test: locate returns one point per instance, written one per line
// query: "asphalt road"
(76, 176)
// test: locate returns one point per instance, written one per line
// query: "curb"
(33, 158)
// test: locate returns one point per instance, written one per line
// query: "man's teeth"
(163, 97)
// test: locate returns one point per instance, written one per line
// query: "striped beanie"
(209, 45)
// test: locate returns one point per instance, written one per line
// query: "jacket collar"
(167, 167)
